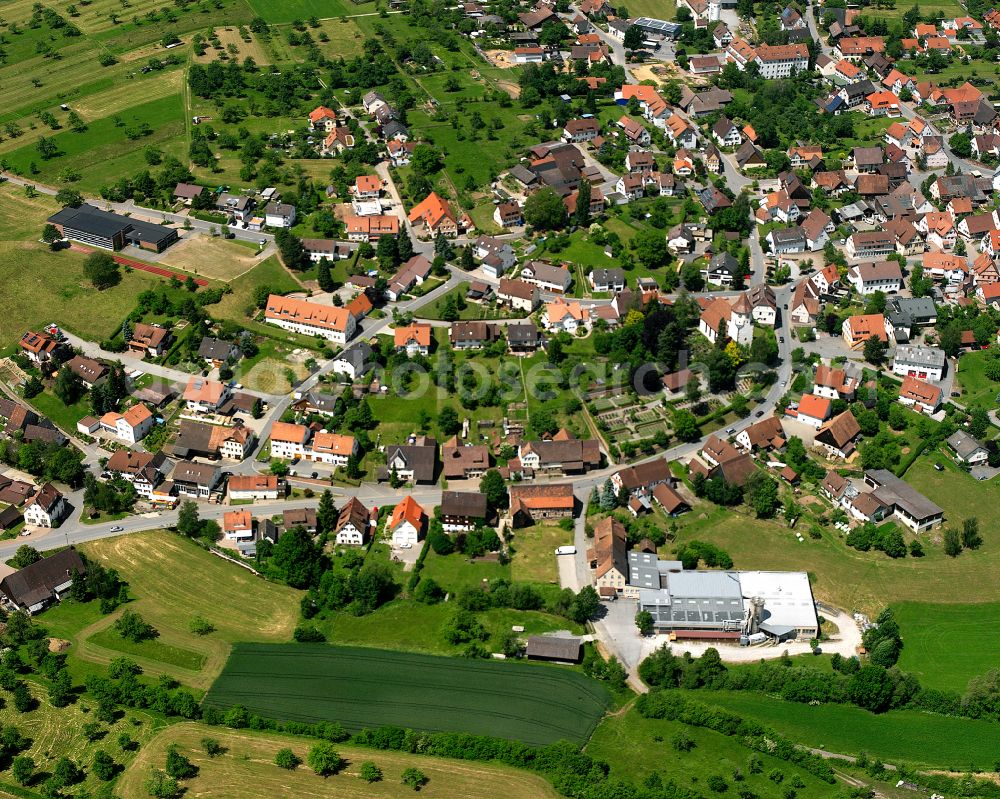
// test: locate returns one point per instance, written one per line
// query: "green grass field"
(636, 747)
(867, 581)
(977, 388)
(367, 688)
(945, 646)
(534, 548)
(923, 739)
(59, 293)
(248, 760)
(104, 151)
(289, 10)
(174, 580)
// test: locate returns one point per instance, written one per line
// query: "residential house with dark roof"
(353, 524)
(412, 463)
(45, 581)
(462, 511)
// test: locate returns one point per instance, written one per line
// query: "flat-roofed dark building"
(90, 225)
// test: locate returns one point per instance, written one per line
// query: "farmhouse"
(46, 508)
(534, 503)
(461, 511)
(48, 580)
(143, 470)
(908, 505)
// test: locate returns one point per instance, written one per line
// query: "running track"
(143, 266)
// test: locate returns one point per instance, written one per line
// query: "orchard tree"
(101, 270)
(324, 759)
(287, 759)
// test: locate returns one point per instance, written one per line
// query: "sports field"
(923, 739)
(211, 257)
(248, 760)
(945, 646)
(173, 581)
(369, 688)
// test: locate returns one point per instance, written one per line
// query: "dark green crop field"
(361, 687)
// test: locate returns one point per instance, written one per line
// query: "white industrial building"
(744, 607)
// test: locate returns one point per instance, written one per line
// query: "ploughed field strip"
(361, 687)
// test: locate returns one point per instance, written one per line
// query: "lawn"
(949, 9)
(289, 10)
(472, 310)
(635, 747)
(454, 572)
(411, 626)
(534, 558)
(658, 9)
(248, 760)
(944, 646)
(59, 293)
(368, 688)
(23, 217)
(64, 416)
(977, 388)
(173, 581)
(901, 735)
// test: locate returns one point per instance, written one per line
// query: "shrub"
(287, 759)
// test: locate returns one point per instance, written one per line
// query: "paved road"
(76, 533)
(150, 214)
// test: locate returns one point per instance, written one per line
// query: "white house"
(405, 523)
(288, 440)
(237, 525)
(813, 410)
(310, 318)
(279, 215)
(253, 486)
(46, 508)
(872, 276)
(332, 448)
(925, 363)
(352, 524)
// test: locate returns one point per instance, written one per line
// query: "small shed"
(554, 649)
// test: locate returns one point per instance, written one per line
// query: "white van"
(565, 550)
